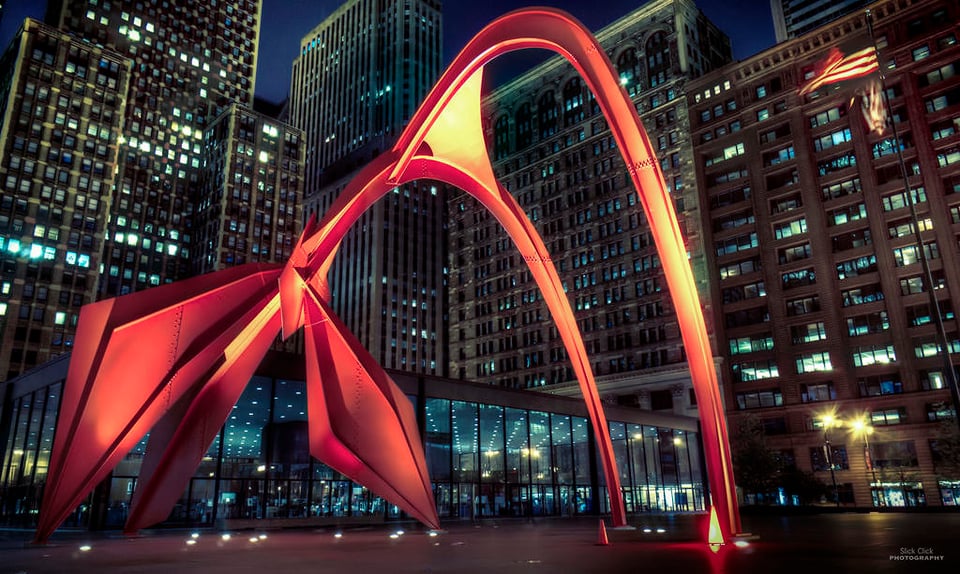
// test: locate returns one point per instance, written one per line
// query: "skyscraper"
(553, 151)
(249, 202)
(359, 77)
(190, 61)
(60, 132)
(173, 67)
(823, 310)
(792, 18)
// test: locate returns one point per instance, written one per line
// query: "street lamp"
(861, 427)
(828, 421)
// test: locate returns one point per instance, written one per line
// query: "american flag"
(871, 105)
(836, 68)
(861, 62)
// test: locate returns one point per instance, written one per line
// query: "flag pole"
(927, 276)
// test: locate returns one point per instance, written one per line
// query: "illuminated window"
(808, 333)
(888, 417)
(866, 356)
(813, 363)
(751, 344)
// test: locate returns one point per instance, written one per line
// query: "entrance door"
(542, 500)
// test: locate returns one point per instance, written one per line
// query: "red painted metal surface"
(136, 357)
(176, 358)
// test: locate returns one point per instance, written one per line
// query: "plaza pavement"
(817, 544)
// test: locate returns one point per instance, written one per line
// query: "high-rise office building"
(190, 61)
(60, 132)
(134, 191)
(359, 77)
(822, 311)
(248, 207)
(553, 151)
(792, 18)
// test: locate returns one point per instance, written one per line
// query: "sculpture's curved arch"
(557, 31)
(443, 141)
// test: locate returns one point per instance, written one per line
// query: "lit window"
(60, 318)
(814, 362)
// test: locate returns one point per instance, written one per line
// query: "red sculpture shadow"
(175, 359)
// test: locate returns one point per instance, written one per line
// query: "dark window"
(661, 400)
(820, 461)
(895, 454)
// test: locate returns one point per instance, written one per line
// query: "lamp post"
(861, 427)
(828, 421)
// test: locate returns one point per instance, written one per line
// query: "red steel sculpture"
(175, 359)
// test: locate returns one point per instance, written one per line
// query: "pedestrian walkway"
(845, 543)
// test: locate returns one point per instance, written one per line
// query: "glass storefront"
(486, 460)
(29, 440)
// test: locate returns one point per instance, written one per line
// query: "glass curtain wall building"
(793, 18)
(490, 453)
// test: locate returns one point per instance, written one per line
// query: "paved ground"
(843, 543)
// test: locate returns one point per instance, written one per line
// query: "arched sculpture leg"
(557, 31)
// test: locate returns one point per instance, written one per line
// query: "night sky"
(747, 22)
(285, 22)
